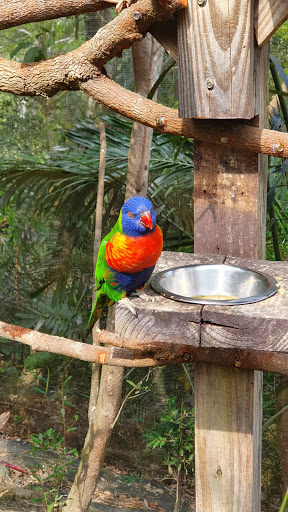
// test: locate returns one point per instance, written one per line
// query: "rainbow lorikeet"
(127, 255)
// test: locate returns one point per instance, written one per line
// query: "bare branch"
(228, 132)
(17, 12)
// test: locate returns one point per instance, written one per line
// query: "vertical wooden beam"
(229, 211)
(216, 42)
(228, 427)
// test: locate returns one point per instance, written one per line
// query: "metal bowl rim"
(271, 290)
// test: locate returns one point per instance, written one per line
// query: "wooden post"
(229, 219)
(222, 75)
(216, 58)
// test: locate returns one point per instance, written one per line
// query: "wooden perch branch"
(79, 69)
(131, 352)
(95, 354)
(66, 71)
(227, 133)
(17, 12)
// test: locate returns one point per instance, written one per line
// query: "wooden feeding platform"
(242, 336)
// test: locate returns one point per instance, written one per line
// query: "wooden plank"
(269, 15)
(262, 325)
(225, 200)
(163, 319)
(228, 469)
(224, 222)
(166, 34)
(216, 43)
(226, 452)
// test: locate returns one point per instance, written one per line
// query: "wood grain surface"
(225, 203)
(216, 42)
(269, 15)
(224, 435)
(261, 326)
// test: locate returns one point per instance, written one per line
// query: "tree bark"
(64, 72)
(227, 133)
(96, 440)
(95, 378)
(147, 64)
(17, 12)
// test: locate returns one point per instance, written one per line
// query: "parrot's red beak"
(146, 219)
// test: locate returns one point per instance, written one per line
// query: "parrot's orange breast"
(133, 254)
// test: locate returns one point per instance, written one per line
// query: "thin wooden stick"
(94, 387)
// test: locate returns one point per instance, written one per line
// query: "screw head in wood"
(161, 121)
(137, 15)
(201, 2)
(237, 363)
(224, 140)
(186, 356)
(277, 148)
(210, 83)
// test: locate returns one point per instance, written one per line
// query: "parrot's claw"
(144, 296)
(126, 303)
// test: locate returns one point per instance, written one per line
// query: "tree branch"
(230, 133)
(131, 352)
(17, 12)
(95, 354)
(66, 71)
(80, 69)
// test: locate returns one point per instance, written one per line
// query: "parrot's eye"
(130, 214)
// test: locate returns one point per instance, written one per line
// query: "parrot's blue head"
(137, 217)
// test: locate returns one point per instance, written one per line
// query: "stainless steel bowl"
(214, 284)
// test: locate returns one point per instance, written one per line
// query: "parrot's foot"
(143, 295)
(126, 303)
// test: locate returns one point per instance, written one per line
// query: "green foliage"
(56, 460)
(175, 433)
(285, 500)
(39, 360)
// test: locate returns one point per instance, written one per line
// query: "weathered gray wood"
(163, 319)
(269, 15)
(225, 444)
(237, 209)
(261, 326)
(225, 202)
(166, 34)
(216, 46)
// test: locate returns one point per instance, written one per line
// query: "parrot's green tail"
(102, 301)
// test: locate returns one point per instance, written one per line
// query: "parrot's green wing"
(102, 299)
